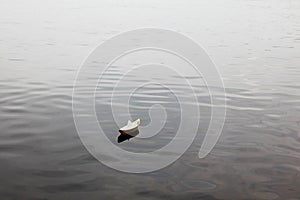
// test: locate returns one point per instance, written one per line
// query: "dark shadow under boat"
(126, 136)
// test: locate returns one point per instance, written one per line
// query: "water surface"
(256, 46)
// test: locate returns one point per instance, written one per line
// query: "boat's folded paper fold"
(130, 127)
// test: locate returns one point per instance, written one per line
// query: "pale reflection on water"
(254, 43)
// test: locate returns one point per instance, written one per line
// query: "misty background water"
(256, 46)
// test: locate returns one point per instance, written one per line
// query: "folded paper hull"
(128, 131)
(130, 127)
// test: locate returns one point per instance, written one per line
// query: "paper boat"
(130, 127)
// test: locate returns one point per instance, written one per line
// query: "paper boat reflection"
(126, 136)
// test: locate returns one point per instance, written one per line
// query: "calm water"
(256, 47)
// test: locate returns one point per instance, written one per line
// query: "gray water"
(255, 45)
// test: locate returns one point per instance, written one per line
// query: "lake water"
(255, 45)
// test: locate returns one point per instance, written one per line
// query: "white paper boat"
(130, 127)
